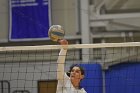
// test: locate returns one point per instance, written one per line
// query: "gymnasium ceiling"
(127, 18)
(122, 5)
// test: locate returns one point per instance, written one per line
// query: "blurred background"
(111, 69)
(84, 21)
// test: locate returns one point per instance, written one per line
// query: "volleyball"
(56, 32)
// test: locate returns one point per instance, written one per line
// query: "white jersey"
(65, 86)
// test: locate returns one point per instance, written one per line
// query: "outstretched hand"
(63, 42)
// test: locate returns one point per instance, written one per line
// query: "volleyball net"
(109, 67)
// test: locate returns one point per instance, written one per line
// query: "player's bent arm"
(61, 63)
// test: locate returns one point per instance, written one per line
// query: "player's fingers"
(63, 42)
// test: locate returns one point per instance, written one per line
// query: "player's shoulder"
(83, 90)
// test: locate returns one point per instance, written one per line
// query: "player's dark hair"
(76, 65)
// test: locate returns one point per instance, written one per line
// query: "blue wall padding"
(92, 82)
(123, 78)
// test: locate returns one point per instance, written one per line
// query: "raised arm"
(61, 59)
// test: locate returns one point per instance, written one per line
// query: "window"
(48, 86)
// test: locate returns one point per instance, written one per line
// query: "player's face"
(76, 73)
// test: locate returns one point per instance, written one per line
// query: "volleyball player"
(68, 82)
